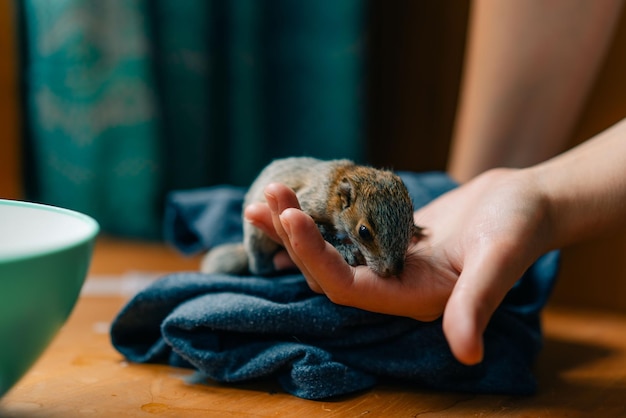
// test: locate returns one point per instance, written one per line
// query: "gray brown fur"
(342, 198)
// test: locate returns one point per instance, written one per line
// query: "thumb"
(476, 295)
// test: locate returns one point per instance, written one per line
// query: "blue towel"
(235, 329)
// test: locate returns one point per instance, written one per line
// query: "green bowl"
(44, 257)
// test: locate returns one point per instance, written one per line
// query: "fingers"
(476, 295)
(319, 261)
(280, 198)
(259, 215)
(463, 327)
(267, 217)
(315, 258)
(326, 271)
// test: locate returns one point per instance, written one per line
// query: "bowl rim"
(93, 228)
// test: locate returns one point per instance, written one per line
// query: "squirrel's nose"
(393, 269)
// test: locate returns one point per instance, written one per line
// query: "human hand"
(480, 238)
(327, 272)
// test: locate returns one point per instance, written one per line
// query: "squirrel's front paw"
(351, 254)
(349, 251)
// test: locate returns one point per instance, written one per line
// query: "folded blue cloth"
(235, 329)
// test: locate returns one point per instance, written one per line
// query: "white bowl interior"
(27, 229)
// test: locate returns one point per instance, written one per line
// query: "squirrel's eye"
(365, 233)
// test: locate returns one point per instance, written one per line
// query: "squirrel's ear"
(345, 192)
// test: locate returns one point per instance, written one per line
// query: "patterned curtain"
(125, 100)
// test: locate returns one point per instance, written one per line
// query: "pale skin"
(531, 65)
(469, 258)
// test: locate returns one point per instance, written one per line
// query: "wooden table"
(581, 371)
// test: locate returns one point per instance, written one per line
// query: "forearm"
(585, 187)
(530, 66)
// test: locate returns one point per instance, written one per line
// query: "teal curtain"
(126, 100)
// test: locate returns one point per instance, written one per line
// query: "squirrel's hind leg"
(227, 258)
(261, 250)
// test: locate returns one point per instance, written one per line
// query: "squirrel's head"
(377, 216)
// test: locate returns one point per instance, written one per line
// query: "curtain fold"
(91, 111)
(180, 50)
(126, 100)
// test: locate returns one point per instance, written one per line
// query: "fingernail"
(286, 225)
(271, 202)
(252, 222)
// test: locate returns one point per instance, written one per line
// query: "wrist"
(539, 180)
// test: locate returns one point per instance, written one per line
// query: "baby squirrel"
(364, 212)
